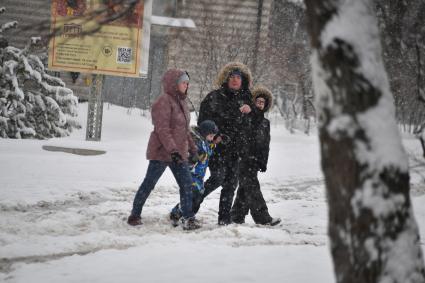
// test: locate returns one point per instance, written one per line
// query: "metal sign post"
(95, 109)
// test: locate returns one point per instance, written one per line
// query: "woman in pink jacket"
(169, 146)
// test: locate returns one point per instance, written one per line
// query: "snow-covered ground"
(62, 216)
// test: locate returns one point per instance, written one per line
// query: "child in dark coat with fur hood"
(249, 196)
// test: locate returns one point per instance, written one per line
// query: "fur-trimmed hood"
(261, 90)
(223, 74)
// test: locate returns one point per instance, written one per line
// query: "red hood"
(169, 82)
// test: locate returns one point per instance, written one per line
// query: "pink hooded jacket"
(170, 118)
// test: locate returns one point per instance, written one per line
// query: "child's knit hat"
(208, 127)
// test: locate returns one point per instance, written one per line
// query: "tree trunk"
(421, 139)
(372, 230)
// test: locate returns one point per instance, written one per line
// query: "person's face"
(260, 103)
(235, 82)
(182, 87)
(210, 137)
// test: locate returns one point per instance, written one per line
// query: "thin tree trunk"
(420, 90)
(372, 230)
(421, 139)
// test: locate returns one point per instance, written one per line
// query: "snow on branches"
(33, 104)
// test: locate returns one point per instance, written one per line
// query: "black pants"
(249, 196)
(223, 172)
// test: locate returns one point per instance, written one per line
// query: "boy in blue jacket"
(205, 136)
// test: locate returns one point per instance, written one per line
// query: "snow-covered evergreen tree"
(33, 104)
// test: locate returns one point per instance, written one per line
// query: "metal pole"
(95, 109)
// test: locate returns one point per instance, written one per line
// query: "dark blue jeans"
(182, 175)
(196, 202)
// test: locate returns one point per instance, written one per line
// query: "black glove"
(225, 139)
(176, 157)
(262, 167)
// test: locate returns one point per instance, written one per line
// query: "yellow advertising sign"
(96, 36)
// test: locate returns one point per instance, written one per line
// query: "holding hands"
(221, 138)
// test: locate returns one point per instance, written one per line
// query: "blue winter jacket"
(199, 169)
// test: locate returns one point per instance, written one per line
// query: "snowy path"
(93, 225)
(54, 237)
(89, 222)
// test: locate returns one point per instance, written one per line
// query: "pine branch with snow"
(33, 104)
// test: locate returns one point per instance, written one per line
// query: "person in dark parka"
(249, 196)
(229, 106)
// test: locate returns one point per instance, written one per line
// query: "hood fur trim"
(262, 90)
(223, 74)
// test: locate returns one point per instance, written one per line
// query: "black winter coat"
(222, 107)
(260, 139)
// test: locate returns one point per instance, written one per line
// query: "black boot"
(273, 222)
(134, 220)
(191, 223)
(174, 218)
(224, 221)
(238, 220)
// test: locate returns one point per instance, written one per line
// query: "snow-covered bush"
(33, 104)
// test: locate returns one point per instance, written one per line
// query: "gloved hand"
(217, 139)
(176, 157)
(262, 167)
(221, 138)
